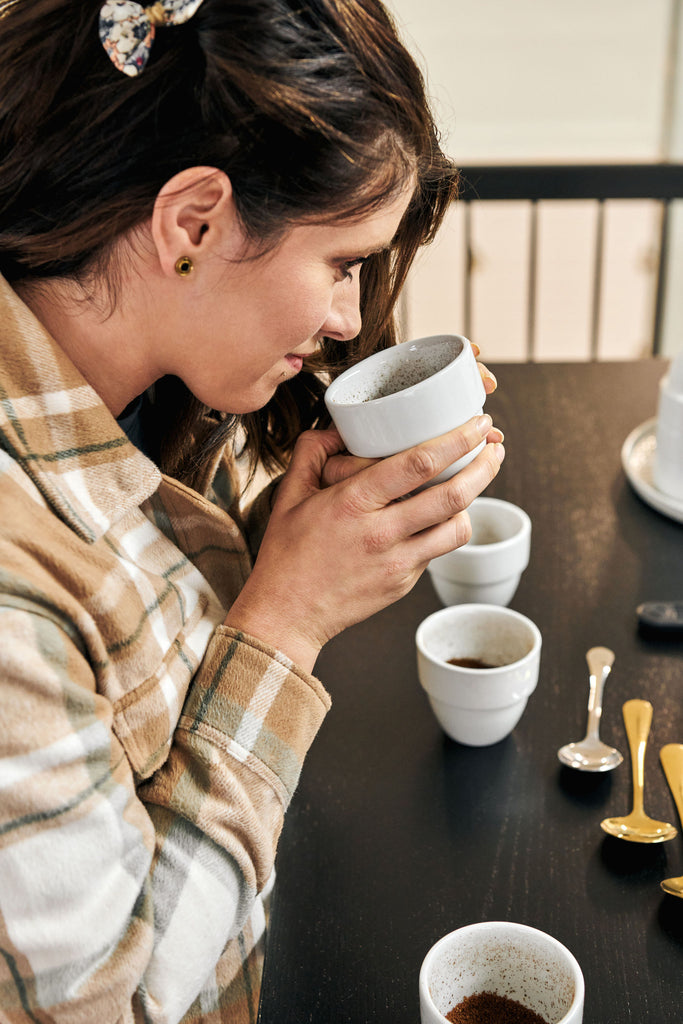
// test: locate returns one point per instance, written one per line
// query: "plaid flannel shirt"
(147, 752)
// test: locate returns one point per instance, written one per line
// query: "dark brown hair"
(313, 108)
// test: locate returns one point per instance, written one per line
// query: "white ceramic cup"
(407, 394)
(478, 706)
(668, 460)
(512, 960)
(487, 569)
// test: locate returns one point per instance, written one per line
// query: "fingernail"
(497, 435)
(499, 452)
(484, 424)
(490, 384)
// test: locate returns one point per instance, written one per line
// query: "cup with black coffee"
(478, 664)
(401, 396)
(502, 971)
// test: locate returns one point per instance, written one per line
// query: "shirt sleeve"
(257, 515)
(117, 900)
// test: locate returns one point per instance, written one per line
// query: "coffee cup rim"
(395, 354)
(456, 611)
(472, 550)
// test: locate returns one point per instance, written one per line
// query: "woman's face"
(250, 323)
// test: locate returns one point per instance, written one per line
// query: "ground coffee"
(470, 663)
(489, 1008)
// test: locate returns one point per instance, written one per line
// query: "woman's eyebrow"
(373, 250)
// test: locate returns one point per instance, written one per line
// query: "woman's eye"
(348, 266)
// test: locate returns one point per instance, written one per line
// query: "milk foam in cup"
(407, 394)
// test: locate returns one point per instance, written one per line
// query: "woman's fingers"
(313, 451)
(490, 382)
(439, 539)
(398, 475)
(421, 512)
(488, 378)
(341, 467)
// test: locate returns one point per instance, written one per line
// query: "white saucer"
(637, 457)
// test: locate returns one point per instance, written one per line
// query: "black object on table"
(397, 835)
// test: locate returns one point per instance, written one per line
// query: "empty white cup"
(407, 394)
(511, 960)
(487, 569)
(478, 706)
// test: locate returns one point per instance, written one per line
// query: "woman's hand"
(340, 545)
(489, 380)
(339, 467)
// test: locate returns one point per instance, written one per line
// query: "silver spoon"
(590, 754)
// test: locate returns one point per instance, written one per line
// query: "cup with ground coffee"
(502, 971)
(478, 664)
(407, 394)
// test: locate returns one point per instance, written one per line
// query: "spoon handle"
(671, 757)
(600, 661)
(637, 719)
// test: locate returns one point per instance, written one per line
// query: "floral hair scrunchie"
(127, 29)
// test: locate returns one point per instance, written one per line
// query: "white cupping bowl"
(487, 569)
(510, 959)
(478, 706)
(407, 394)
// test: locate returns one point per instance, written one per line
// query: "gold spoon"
(671, 757)
(637, 827)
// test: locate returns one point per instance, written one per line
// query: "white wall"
(540, 81)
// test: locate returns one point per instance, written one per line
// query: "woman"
(197, 200)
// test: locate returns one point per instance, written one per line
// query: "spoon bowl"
(673, 886)
(671, 757)
(638, 827)
(591, 754)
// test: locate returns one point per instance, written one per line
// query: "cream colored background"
(550, 80)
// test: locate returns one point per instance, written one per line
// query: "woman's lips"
(296, 362)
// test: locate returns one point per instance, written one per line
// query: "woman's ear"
(193, 213)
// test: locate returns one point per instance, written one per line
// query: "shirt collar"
(60, 431)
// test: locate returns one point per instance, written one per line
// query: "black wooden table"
(398, 835)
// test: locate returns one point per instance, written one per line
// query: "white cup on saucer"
(668, 460)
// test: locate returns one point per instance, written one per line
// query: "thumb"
(305, 472)
(341, 467)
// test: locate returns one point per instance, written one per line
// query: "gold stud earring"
(184, 266)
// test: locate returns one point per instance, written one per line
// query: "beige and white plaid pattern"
(147, 752)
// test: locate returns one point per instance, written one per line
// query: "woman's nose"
(344, 319)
